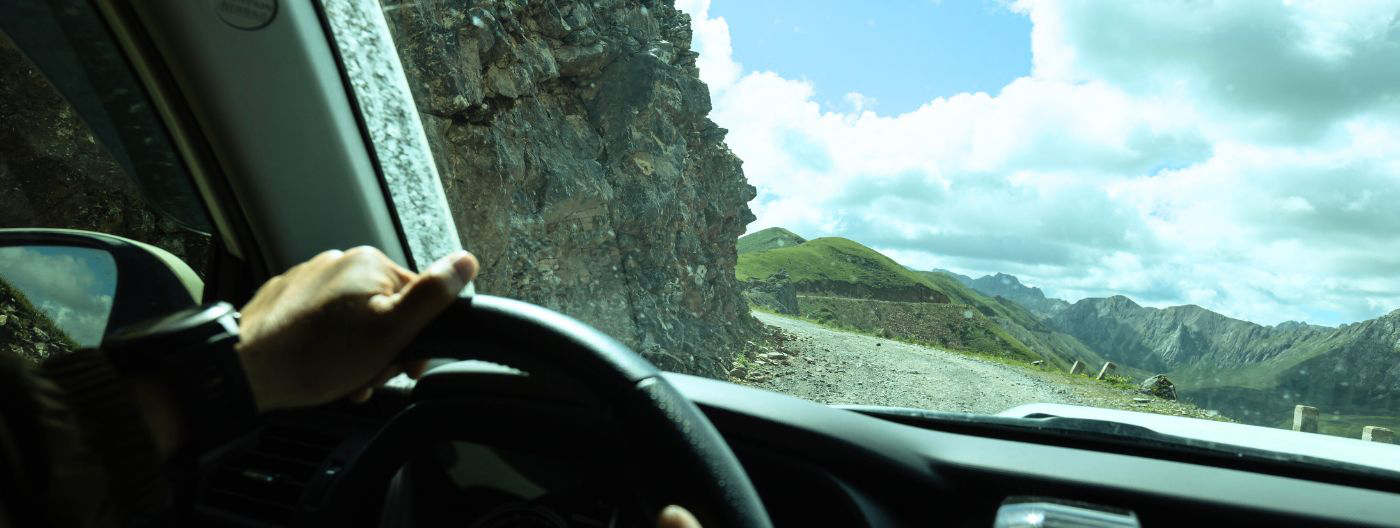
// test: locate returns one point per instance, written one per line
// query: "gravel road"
(835, 367)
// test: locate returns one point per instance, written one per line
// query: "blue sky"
(902, 53)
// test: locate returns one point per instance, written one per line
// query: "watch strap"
(213, 392)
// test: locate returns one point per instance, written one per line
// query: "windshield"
(1179, 208)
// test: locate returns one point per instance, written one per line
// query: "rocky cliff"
(574, 147)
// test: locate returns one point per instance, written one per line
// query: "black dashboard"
(813, 465)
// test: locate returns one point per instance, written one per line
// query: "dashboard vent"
(265, 482)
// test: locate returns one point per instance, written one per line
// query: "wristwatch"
(193, 352)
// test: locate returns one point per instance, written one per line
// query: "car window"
(81, 147)
(1160, 208)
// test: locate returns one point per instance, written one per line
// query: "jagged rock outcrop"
(575, 151)
(775, 292)
(1010, 287)
(26, 331)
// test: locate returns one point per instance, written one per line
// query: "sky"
(1237, 155)
(73, 286)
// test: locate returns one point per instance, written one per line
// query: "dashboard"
(813, 465)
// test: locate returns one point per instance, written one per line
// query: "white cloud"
(1244, 156)
(66, 286)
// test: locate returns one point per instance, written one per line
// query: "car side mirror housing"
(64, 289)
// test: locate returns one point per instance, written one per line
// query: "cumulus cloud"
(72, 286)
(1237, 155)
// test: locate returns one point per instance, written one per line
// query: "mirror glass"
(54, 299)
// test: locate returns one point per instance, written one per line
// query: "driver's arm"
(81, 445)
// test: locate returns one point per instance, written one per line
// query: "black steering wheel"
(698, 465)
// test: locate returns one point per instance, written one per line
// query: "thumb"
(426, 295)
(676, 517)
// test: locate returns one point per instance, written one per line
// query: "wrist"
(251, 358)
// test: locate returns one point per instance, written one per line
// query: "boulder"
(774, 293)
(1160, 387)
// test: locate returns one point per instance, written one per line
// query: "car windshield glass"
(1169, 208)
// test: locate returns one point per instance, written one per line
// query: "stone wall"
(574, 147)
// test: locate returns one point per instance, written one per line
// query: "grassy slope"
(947, 326)
(829, 259)
(15, 335)
(771, 238)
(842, 260)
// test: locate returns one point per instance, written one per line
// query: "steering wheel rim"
(722, 494)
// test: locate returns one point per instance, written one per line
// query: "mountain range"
(1248, 371)
(1010, 287)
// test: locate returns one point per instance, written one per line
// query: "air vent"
(266, 481)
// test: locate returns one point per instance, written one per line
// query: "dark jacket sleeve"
(75, 450)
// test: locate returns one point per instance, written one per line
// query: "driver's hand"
(676, 517)
(329, 327)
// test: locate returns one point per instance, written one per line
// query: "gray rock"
(775, 293)
(1160, 387)
(575, 152)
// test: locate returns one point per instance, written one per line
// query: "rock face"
(26, 331)
(774, 293)
(1010, 287)
(575, 151)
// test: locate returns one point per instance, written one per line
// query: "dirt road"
(835, 367)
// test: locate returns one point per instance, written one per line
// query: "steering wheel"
(698, 465)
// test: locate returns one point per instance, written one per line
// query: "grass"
(831, 259)
(771, 238)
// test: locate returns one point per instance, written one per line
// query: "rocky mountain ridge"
(1010, 287)
(1248, 370)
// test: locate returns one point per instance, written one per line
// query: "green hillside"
(771, 238)
(842, 268)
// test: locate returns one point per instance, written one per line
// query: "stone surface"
(1077, 367)
(1160, 387)
(1305, 418)
(575, 151)
(1372, 433)
(27, 331)
(1107, 370)
(775, 293)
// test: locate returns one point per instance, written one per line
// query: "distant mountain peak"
(1009, 286)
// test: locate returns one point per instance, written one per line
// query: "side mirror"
(64, 289)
